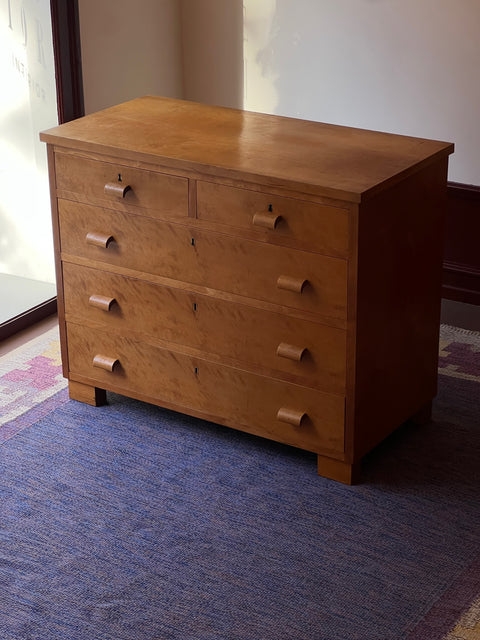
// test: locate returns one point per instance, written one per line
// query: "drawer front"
(96, 182)
(308, 225)
(279, 275)
(261, 405)
(312, 352)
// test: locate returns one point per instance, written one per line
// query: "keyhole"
(193, 242)
(119, 177)
(270, 207)
(196, 371)
(194, 306)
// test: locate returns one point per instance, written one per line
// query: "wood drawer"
(85, 180)
(295, 348)
(224, 394)
(222, 262)
(278, 219)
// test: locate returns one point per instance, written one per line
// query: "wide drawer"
(273, 218)
(285, 412)
(120, 186)
(258, 270)
(261, 339)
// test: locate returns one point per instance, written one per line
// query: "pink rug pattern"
(31, 383)
(459, 353)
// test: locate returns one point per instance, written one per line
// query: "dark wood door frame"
(68, 76)
(68, 65)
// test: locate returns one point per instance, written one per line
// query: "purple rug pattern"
(32, 388)
(31, 383)
(459, 353)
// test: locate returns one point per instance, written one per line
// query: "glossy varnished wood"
(273, 275)
(241, 399)
(131, 306)
(346, 472)
(218, 261)
(86, 393)
(84, 179)
(58, 263)
(339, 162)
(276, 219)
(398, 305)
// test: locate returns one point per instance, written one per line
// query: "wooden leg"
(423, 416)
(338, 470)
(86, 393)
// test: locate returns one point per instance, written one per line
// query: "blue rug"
(129, 522)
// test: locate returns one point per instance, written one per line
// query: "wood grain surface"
(274, 275)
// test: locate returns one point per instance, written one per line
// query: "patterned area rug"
(459, 357)
(30, 382)
(459, 353)
(128, 521)
(31, 376)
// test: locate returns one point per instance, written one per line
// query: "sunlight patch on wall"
(260, 93)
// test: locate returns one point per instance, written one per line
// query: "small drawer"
(278, 219)
(297, 350)
(283, 276)
(121, 187)
(284, 412)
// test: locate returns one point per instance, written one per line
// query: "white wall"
(405, 66)
(212, 37)
(129, 49)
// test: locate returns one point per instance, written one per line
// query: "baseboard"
(461, 267)
(461, 283)
(30, 317)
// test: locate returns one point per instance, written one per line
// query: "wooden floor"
(27, 334)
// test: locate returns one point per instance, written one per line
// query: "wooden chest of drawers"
(277, 276)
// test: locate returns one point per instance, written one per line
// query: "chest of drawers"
(277, 276)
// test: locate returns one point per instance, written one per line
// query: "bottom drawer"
(281, 411)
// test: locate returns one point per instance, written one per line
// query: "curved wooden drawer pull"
(117, 189)
(291, 284)
(101, 302)
(99, 239)
(290, 351)
(267, 220)
(105, 362)
(291, 416)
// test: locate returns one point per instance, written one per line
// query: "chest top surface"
(324, 159)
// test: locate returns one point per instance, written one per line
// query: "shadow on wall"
(398, 66)
(318, 61)
(212, 36)
(228, 59)
(260, 27)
